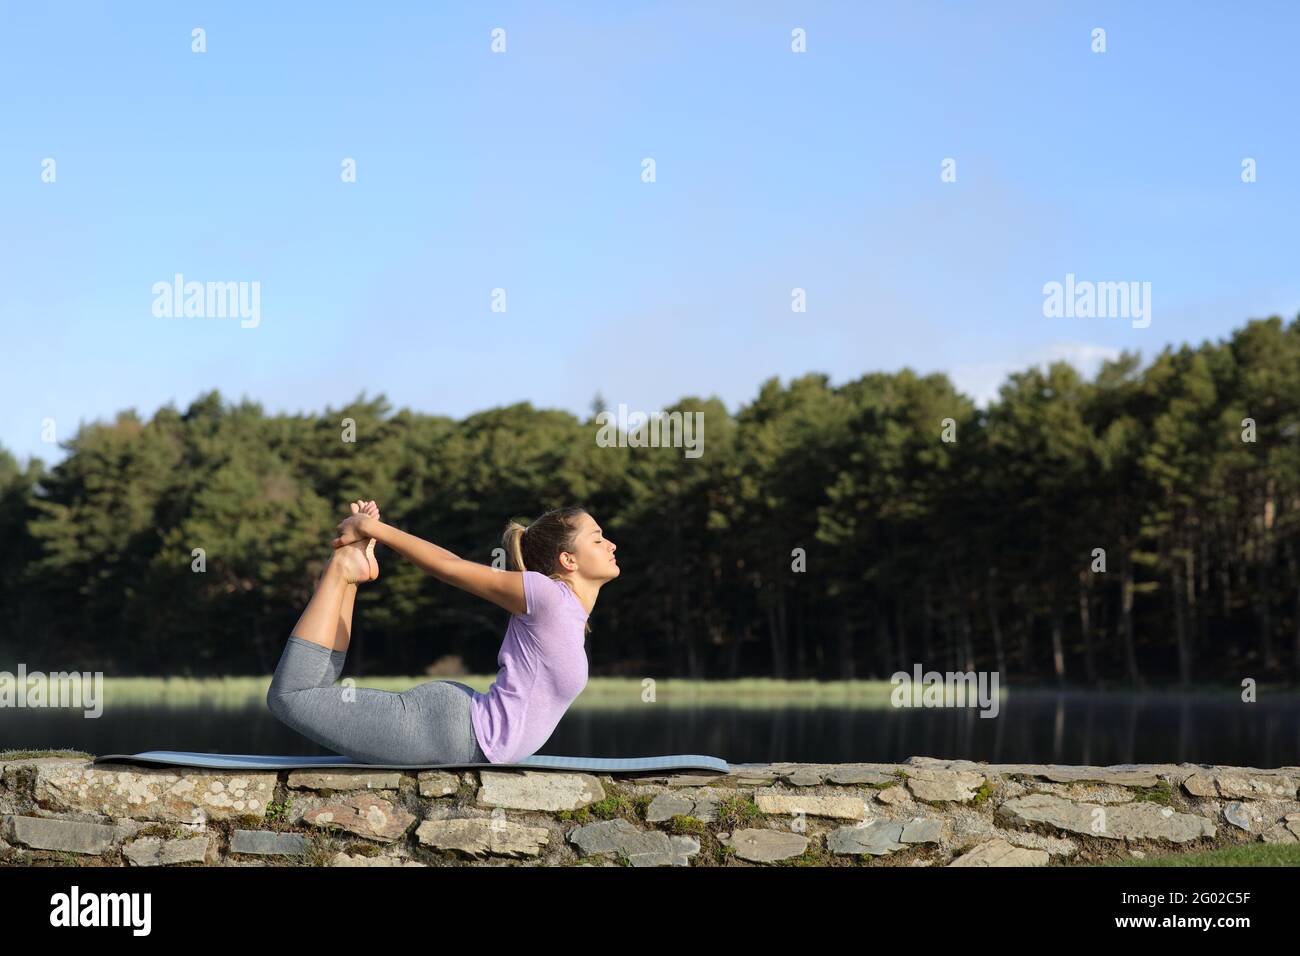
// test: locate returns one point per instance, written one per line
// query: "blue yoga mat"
(183, 758)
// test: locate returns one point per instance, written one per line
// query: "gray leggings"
(426, 724)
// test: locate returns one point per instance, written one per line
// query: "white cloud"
(981, 381)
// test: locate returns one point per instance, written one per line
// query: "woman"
(559, 563)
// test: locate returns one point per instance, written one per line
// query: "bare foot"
(351, 560)
(372, 509)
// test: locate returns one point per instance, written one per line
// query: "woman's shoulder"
(544, 594)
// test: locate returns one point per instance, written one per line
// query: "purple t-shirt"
(543, 667)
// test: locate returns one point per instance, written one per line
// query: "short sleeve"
(541, 594)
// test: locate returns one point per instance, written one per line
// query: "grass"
(24, 754)
(1243, 854)
(600, 693)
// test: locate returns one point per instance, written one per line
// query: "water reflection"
(1038, 727)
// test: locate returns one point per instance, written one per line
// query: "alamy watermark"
(640, 430)
(75, 908)
(951, 689)
(59, 689)
(211, 300)
(1098, 300)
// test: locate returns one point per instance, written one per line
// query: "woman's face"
(594, 553)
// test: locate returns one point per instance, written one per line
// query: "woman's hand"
(357, 526)
(352, 529)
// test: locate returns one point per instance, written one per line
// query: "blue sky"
(522, 170)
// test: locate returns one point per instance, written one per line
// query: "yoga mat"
(182, 758)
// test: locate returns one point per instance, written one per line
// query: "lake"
(1038, 726)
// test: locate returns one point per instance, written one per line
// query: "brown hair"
(537, 546)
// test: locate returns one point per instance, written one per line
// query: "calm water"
(1038, 727)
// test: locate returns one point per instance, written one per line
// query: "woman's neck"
(585, 591)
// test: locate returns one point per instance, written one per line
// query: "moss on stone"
(1160, 793)
(26, 754)
(737, 812)
(813, 855)
(613, 806)
(165, 831)
(713, 852)
(684, 824)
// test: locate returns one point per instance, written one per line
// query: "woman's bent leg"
(320, 621)
(427, 724)
(300, 669)
(374, 726)
(446, 710)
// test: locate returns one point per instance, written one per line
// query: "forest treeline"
(1141, 527)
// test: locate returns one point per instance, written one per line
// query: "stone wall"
(923, 812)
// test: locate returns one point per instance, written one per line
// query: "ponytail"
(513, 540)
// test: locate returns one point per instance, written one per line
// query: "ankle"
(334, 568)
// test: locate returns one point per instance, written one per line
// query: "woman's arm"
(503, 588)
